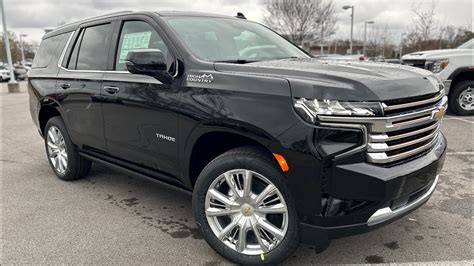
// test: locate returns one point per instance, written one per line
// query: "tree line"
(312, 23)
(29, 48)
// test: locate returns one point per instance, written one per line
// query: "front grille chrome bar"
(390, 123)
(384, 137)
(435, 98)
(383, 158)
(382, 147)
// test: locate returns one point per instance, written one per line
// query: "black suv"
(277, 147)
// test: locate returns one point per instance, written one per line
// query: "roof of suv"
(190, 14)
(73, 25)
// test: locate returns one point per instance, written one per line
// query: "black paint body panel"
(253, 101)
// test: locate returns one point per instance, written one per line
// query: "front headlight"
(309, 109)
(438, 65)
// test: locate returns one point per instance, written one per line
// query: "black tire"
(454, 102)
(77, 166)
(253, 159)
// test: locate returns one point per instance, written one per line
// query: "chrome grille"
(410, 129)
(408, 134)
(436, 98)
(420, 63)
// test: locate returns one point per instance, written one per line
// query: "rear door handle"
(65, 85)
(111, 90)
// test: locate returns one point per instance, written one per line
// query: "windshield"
(467, 45)
(225, 39)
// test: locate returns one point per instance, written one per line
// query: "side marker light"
(282, 162)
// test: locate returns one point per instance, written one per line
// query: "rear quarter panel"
(42, 83)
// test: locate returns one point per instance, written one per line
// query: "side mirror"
(150, 62)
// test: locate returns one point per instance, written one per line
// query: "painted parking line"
(460, 153)
(458, 118)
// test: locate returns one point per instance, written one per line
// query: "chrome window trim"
(63, 54)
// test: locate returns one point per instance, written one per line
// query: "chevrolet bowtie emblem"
(246, 211)
(438, 114)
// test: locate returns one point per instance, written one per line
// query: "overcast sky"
(33, 16)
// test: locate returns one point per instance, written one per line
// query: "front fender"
(222, 126)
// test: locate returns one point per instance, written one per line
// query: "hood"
(341, 80)
(436, 53)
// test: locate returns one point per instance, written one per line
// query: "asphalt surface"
(112, 218)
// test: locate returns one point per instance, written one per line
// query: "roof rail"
(94, 18)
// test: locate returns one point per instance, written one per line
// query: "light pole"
(322, 37)
(352, 24)
(365, 36)
(402, 40)
(383, 47)
(321, 40)
(12, 84)
(21, 49)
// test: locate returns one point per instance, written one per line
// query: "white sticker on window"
(133, 41)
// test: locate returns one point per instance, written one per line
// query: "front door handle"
(65, 85)
(111, 90)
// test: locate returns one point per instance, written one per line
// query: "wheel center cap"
(246, 210)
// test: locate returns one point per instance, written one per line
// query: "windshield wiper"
(245, 61)
(282, 58)
(236, 61)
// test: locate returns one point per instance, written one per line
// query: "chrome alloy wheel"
(246, 212)
(466, 99)
(57, 152)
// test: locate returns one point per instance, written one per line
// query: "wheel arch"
(459, 75)
(46, 112)
(207, 143)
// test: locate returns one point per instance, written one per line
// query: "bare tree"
(326, 19)
(379, 39)
(450, 33)
(424, 23)
(301, 19)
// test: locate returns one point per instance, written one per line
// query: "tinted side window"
(71, 64)
(94, 48)
(137, 35)
(46, 51)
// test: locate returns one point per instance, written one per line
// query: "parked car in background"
(393, 61)
(4, 73)
(21, 72)
(455, 67)
(28, 63)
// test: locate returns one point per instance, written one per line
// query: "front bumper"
(386, 214)
(447, 85)
(390, 193)
(320, 236)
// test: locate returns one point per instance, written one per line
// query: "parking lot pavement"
(112, 218)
